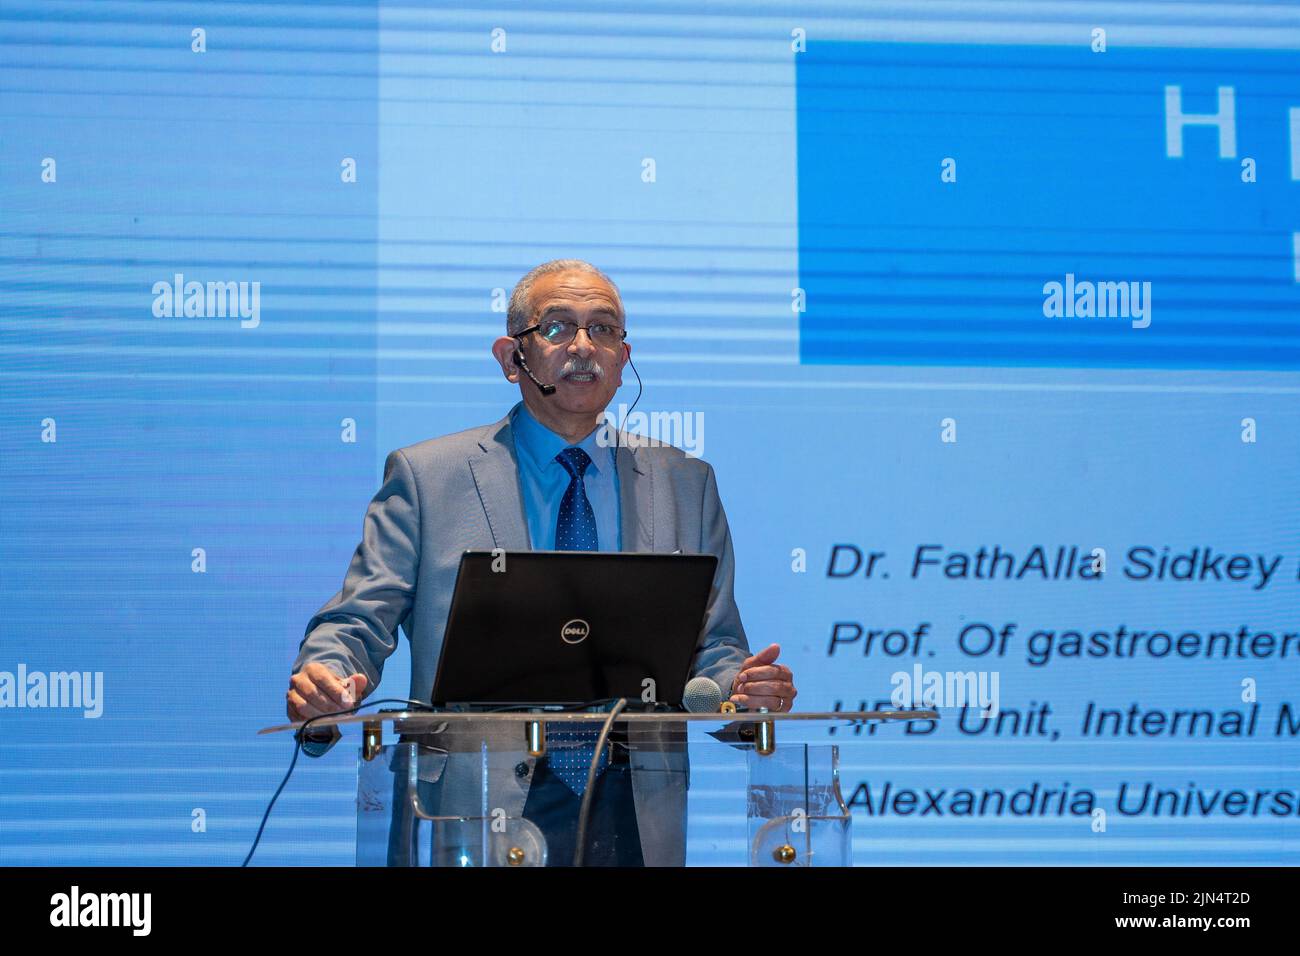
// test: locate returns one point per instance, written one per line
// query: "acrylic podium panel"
(444, 790)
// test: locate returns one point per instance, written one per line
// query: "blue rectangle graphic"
(1049, 206)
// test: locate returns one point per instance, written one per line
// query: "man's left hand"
(762, 682)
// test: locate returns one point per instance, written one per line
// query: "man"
(549, 477)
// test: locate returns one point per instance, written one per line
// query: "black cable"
(298, 736)
(639, 389)
(580, 850)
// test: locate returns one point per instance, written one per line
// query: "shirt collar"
(539, 445)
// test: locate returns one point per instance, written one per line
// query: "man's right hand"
(317, 690)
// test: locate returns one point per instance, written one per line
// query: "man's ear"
(503, 350)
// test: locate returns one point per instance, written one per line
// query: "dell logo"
(575, 631)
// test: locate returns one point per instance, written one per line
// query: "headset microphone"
(519, 360)
(550, 389)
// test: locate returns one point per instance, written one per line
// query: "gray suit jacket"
(461, 492)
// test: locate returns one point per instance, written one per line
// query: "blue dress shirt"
(543, 480)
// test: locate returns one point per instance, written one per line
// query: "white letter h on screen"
(1176, 119)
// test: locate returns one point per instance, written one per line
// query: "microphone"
(702, 695)
(519, 360)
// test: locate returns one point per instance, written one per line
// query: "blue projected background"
(835, 231)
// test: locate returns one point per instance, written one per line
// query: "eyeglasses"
(562, 331)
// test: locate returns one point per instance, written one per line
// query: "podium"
(448, 789)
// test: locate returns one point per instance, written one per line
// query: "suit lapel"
(496, 476)
(635, 496)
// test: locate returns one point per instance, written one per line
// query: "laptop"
(570, 628)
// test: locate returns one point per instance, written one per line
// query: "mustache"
(586, 365)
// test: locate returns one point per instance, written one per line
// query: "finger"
(773, 702)
(360, 682)
(766, 672)
(755, 701)
(768, 688)
(312, 694)
(298, 707)
(314, 701)
(767, 655)
(327, 683)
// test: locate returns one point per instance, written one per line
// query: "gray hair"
(519, 314)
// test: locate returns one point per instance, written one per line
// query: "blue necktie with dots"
(575, 529)
(570, 751)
